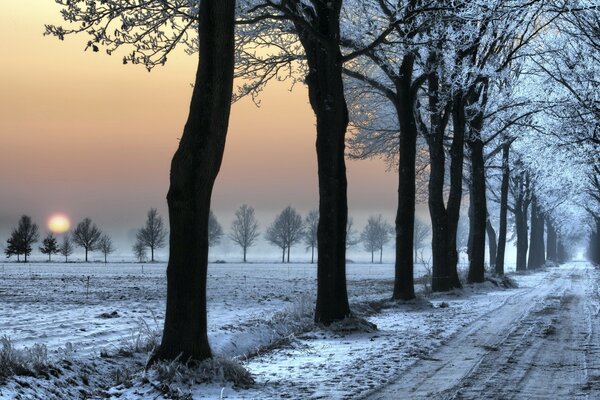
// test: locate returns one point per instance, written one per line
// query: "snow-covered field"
(260, 314)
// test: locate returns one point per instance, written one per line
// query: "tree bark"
(478, 199)
(326, 95)
(492, 244)
(503, 209)
(194, 168)
(245, 248)
(551, 241)
(522, 238)
(457, 154)
(536, 243)
(404, 288)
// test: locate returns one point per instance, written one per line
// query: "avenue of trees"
(495, 101)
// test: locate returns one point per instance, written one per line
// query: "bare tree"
(215, 231)
(421, 236)
(87, 235)
(352, 237)
(153, 235)
(376, 234)
(244, 229)
(66, 247)
(50, 246)
(139, 250)
(286, 230)
(105, 245)
(22, 238)
(311, 225)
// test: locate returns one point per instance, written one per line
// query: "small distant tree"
(352, 237)
(153, 235)
(311, 225)
(50, 246)
(139, 250)
(87, 235)
(22, 238)
(286, 231)
(105, 245)
(66, 247)
(421, 236)
(375, 235)
(244, 229)
(215, 231)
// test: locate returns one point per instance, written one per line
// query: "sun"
(59, 223)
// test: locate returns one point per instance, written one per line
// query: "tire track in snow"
(539, 345)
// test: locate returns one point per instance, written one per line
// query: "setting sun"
(59, 223)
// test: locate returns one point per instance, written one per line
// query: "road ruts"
(541, 344)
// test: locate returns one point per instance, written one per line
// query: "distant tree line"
(288, 229)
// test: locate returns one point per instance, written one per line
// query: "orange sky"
(83, 134)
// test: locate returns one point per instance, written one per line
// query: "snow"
(261, 314)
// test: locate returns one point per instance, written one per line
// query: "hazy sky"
(82, 134)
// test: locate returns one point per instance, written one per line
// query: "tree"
(87, 235)
(139, 250)
(215, 231)
(153, 235)
(285, 231)
(22, 238)
(105, 245)
(376, 234)
(50, 246)
(311, 224)
(66, 247)
(422, 234)
(244, 229)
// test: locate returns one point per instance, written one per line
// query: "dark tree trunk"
(594, 244)
(86, 252)
(522, 238)
(404, 288)
(551, 241)
(282, 254)
(536, 243)
(288, 253)
(440, 280)
(152, 253)
(478, 200)
(381, 255)
(492, 244)
(245, 249)
(471, 216)
(194, 168)
(457, 154)
(372, 257)
(326, 95)
(503, 209)
(312, 254)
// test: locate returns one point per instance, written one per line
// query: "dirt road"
(542, 344)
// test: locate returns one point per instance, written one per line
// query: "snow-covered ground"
(540, 336)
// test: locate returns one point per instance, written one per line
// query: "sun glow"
(59, 223)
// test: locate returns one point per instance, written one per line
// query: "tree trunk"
(381, 255)
(326, 95)
(594, 244)
(440, 280)
(288, 253)
(194, 168)
(478, 199)
(86, 254)
(492, 244)
(283, 255)
(245, 248)
(551, 241)
(536, 243)
(503, 209)
(372, 256)
(457, 154)
(522, 239)
(404, 287)
(151, 253)
(312, 254)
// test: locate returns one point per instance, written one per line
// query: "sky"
(85, 135)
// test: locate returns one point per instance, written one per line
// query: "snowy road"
(542, 343)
